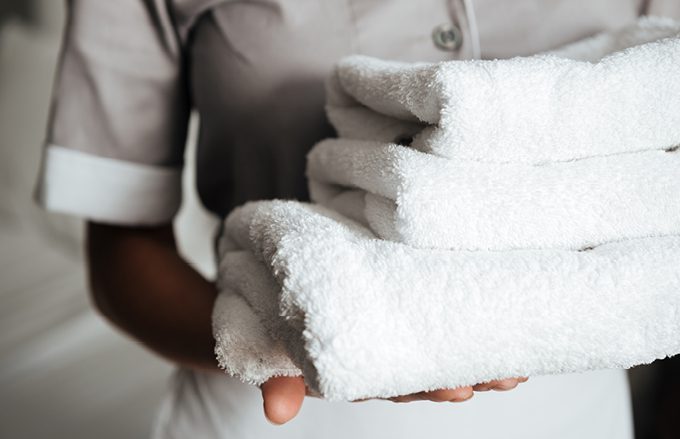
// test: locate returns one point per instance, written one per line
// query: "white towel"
(372, 318)
(306, 291)
(526, 109)
(426, 201)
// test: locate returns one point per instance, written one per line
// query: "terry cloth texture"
(564, 149)
(616, 95)
(363, 317)
(428, 201)
(524, 223)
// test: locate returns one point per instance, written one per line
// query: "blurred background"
(64, 372)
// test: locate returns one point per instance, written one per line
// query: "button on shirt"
(447, 37)
(130, 73)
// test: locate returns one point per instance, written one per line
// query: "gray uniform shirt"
(131, 70)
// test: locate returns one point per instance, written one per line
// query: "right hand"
(283, 396)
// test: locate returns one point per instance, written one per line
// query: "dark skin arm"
(140, 282)
(142, 285)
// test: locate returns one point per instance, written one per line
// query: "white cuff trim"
(108, 190)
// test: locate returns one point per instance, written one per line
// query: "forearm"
(140, 282)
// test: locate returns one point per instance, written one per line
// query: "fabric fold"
(383, 319)
(427, 201)
(582, 100)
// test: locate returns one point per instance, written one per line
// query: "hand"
(283, 396)
(500, 385)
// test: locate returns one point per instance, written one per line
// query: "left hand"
(283, 396)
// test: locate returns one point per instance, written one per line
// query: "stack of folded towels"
(475, 220)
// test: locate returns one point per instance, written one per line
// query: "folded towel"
(532, 110)
(363, 317)
(424, 200)
(574, 157)
(243, 346)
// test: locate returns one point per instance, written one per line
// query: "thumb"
(282, 398)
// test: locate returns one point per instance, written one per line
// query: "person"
(130, 73)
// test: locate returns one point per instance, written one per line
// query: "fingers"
(442, 395)
(461, 393)
(282, 398)
(451, 395)
(500, 385)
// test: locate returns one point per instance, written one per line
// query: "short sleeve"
(119, 115)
